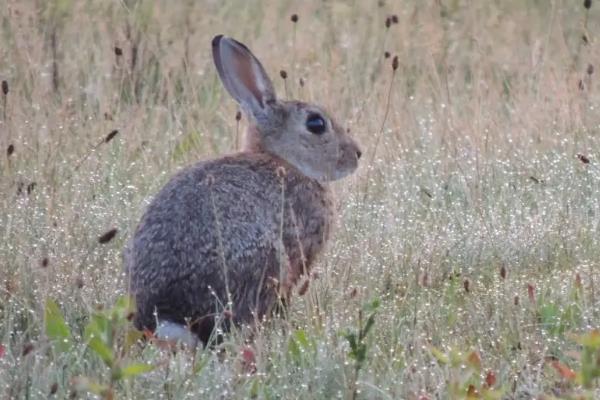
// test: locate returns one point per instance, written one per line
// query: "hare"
(226, 238)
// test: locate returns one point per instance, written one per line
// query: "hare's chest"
(307, 225)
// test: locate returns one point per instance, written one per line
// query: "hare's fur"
(225, 238)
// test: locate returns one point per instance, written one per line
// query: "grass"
(473, 226)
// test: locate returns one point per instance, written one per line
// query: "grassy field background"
(469, 236)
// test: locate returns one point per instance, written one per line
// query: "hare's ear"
(242, 75)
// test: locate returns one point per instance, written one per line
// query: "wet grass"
(474, 222)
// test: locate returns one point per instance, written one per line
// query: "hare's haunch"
(225, 238)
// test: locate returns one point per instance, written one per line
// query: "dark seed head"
(395, 63)
(118, 51)
(31, 187)
(394, 19)
(466, 285)
(44, 263)
(303, 288)
(388, 22)
(79, 282)
(580, 85)
(590, 69)
(584, 159)
(5, 87)
(503, 272)
(585, 39)
(301, 81)
(130, 316)
(54, 388)
(283, 74)
(107, 236)
(27, 348)
(10, 150)
(238, 115)
(387, 54)
(294, 18)
(111, 135)
(587, 4)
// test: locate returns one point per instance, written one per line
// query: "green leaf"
(301, 339)
(135, 369)
(81, 383)
(132, 336)
(122, 308)
(56, 328)
(373, 306)
(102, 350)
(351, 338)
(439, 355)
(294, 351)
(368, 326)
(590, 340)
(203, 362)
(99, 326)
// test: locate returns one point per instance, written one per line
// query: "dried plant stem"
(379, 135)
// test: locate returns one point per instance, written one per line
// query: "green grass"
(476, 172)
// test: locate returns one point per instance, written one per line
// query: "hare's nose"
(358, 154)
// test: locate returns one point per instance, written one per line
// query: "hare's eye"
(315, 124)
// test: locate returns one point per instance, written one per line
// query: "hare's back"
(234, 198)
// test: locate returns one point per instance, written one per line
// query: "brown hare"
(225, 238)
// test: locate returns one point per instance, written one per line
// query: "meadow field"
(466, 258)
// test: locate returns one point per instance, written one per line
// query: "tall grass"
(474, 222)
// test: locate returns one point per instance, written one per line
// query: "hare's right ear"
(243, 76)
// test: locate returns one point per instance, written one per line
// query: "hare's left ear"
(243, 76)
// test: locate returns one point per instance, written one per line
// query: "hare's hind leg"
(174, 333)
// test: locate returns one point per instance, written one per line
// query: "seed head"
(388, 22)
(387, 54)
(238, 115)
(31, 187)
(107, 236)
(283, 74)
(531, 292)
(301, 81)
(10, 150)
(294, 18)
(590, 69)
(303, 288)
(395, 63)
(490, 379)
(466, 285)
(54, 388)
(394, 19)
(587, 4)
(5, 87)
(503, 272)
(111, 136)
(27, 348)
(79, 282)
(44, 263)
(118, 51)
(583, 158)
